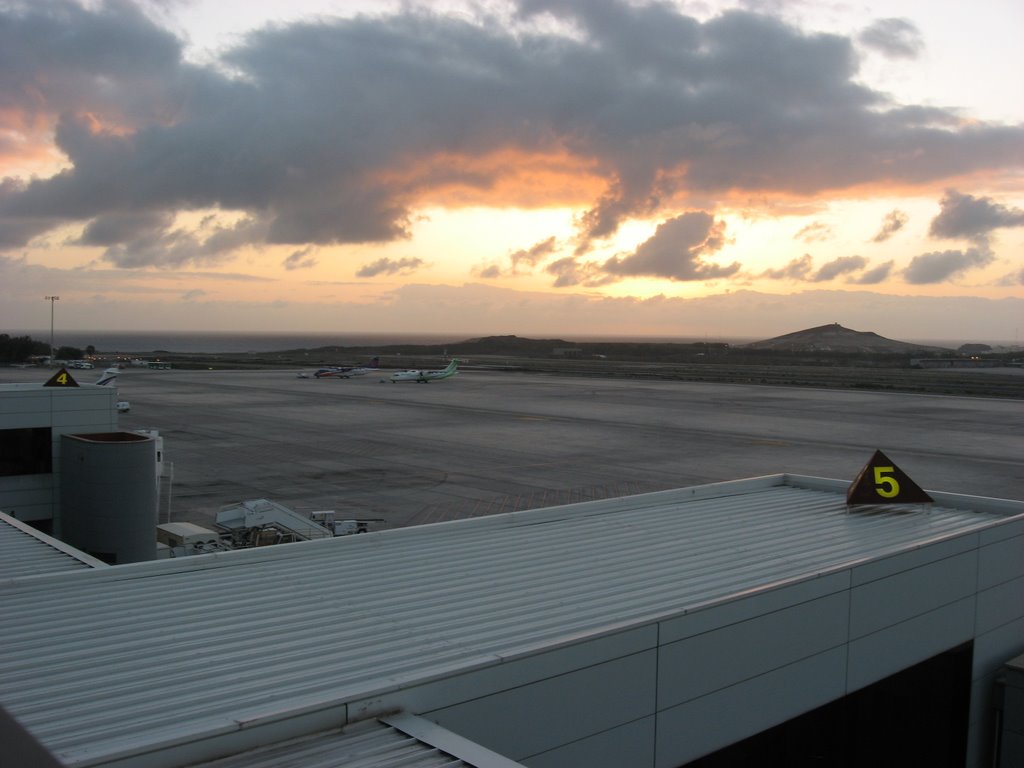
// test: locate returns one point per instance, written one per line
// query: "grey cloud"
(875, 276)
(814, 232)
(330, 132)
(895, 38)
(676, 251)
(895, 220)
(941, 266)
(121, 226)
(972, 218)
(530, 257)
(840, 266)
(797, 269)
(1012, 279)
(151, 239)
(387, 266)
(195, 293)
(489, 273)
(536, 253)
(569, 272)
(301, 259)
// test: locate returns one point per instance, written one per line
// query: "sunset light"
(618, 168)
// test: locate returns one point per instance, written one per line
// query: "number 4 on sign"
(61, 379)
(882, 482)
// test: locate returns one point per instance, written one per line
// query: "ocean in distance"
(147, 342)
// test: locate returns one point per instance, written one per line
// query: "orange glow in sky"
(485, 168)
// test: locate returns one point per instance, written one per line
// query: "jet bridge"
(258, 522)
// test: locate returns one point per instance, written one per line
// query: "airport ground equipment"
(330, 520)
(258, 522)
(184, 539)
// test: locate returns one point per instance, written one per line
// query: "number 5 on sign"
(882, 482)
(887, 486)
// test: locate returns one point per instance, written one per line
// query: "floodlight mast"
(52, 300)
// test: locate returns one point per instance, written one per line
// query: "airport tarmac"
(487, 442)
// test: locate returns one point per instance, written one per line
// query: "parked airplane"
(341, 372)
(109, 379)
(426, 376)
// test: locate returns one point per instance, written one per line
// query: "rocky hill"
(836, 338)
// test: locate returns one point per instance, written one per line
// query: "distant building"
(955, 362)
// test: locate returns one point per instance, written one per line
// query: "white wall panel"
(34, 401)
(26, 420)
(1001, 561)
(1007, 530)
(981, 721)
(890, 600)
(627, 746)
(902, 645)
(513, 673)
(915, 558)
(711, 722)
(1000, 605)
(704, 663)
(557, 711)
(747, 607)
(995, 648)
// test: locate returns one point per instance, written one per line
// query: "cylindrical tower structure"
(108, 495)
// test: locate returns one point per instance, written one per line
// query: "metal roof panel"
(177, 649)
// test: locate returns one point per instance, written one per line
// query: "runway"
(487, 442)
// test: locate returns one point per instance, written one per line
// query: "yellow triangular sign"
(882, 482)
(61, 379)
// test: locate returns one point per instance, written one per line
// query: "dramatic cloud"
(841, 266)
(895, 38)
(339, 130)
(945, 265)
(387, 266)
(972, 218)
(894, 221)
(142, 239)
(676, 251)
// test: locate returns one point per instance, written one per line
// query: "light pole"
(52, 300)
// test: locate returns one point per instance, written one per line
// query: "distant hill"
(836, 338)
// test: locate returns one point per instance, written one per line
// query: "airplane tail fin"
(108, 378)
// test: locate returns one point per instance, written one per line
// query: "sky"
(557, 168)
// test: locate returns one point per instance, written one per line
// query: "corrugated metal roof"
(24, 551)
(370, 744)
(175, 649)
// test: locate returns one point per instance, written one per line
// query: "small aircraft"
(109, 379)
(426, 376)
(341, 372)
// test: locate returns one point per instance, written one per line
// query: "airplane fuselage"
(425, 376)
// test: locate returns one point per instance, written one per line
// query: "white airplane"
(340, 372)
(109, 379)
(426, 376)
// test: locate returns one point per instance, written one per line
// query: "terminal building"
(761, 621)
(66, 469)
(33, 418)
